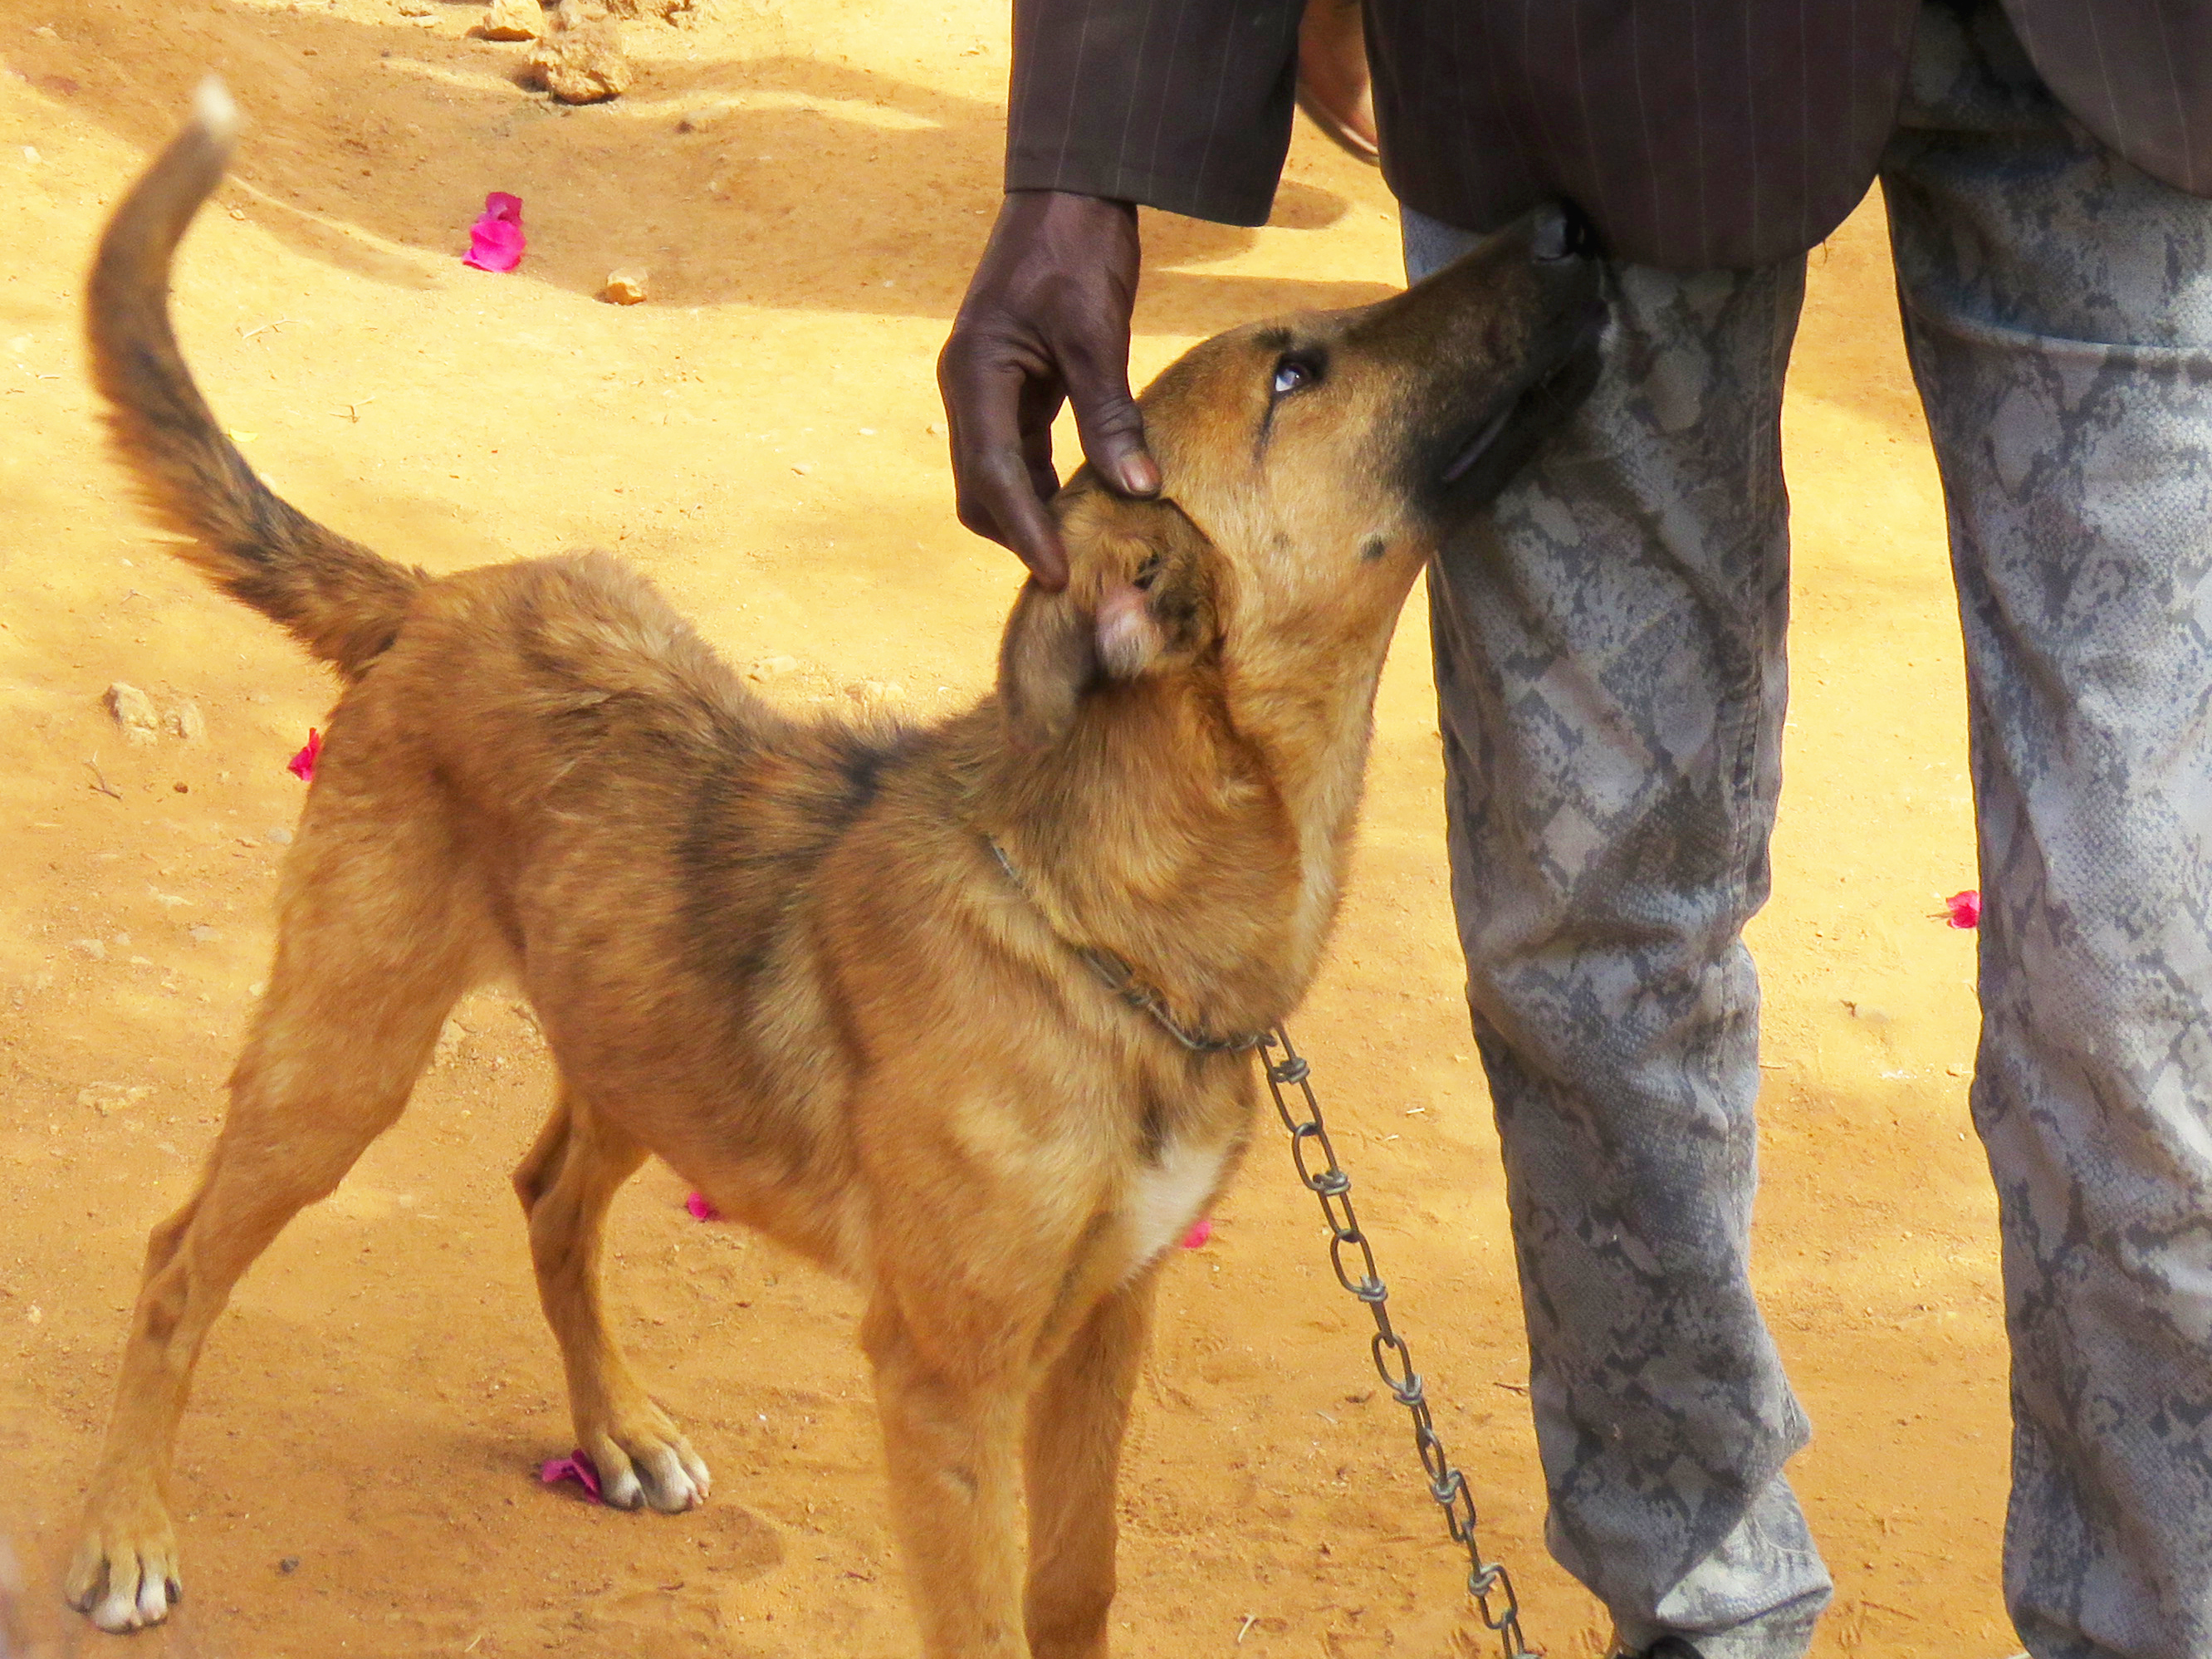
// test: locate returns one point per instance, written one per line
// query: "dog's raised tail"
(340, 600)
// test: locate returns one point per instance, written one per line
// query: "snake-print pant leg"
(1610, 677)
(2059, 308)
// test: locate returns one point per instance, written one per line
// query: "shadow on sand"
(778, 181)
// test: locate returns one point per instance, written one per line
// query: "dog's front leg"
(953, 1439)
(1073, 1461)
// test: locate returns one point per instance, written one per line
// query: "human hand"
(1045, 321)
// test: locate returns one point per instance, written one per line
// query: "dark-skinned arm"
(1183, 104)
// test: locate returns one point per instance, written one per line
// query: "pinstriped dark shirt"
(1697, 133)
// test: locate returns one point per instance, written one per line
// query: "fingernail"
(1141, 474)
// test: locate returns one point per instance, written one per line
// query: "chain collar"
(1119, 977)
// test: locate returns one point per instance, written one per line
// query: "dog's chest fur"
(1168, 1195)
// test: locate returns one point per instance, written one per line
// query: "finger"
(1001, 478)
(1041, 401)
(1005, 506)
(1106, 418)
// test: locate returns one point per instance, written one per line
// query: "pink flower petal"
(701, 1209)
(1965, 908)
(1201, 1235)
(495, 241)
(493, 246)
(303, 765)
(575, 1467)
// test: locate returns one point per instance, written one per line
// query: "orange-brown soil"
(807, 183)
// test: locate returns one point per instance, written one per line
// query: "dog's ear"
(1141, 594)
(1166, 605)
(1047, 660)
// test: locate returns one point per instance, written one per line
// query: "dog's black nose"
(1561, 232)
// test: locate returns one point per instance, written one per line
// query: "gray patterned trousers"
(1610, 669)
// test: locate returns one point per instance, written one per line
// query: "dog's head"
(1310, 468)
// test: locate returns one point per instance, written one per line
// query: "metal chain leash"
(1393, 1361)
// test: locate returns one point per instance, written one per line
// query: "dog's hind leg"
(1077, 1418)
(372, 950)
(566, 1183)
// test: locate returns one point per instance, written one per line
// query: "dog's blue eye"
(1290, 375)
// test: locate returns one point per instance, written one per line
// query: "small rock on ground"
(512, 20)
(626, 287)
(581, 60)
(106, 1097)
(133, 711)
(451, 1036)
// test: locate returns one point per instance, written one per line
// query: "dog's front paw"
(647, 1463)
(124, 1573)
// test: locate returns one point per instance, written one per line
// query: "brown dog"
(956, 1010)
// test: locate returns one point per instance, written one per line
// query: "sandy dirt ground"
(807, 182)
